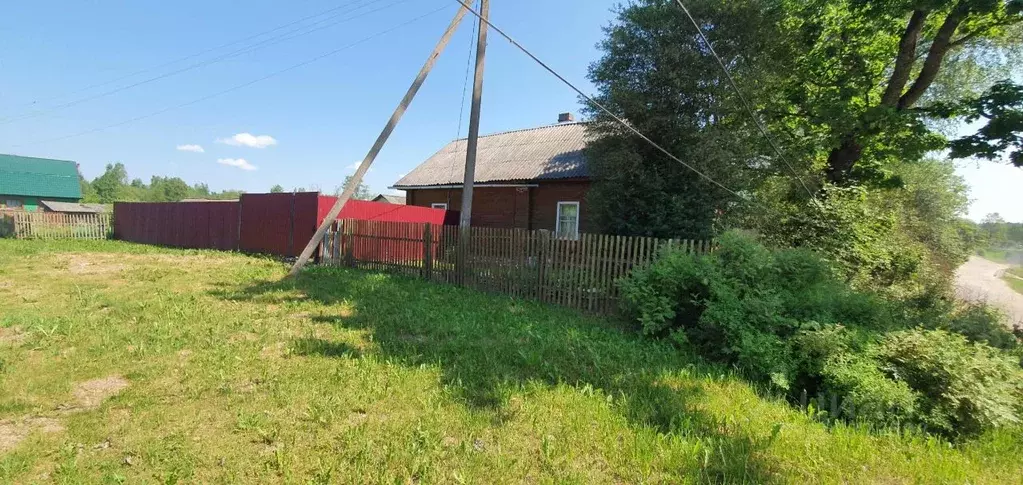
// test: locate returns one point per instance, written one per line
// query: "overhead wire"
(190, 56)
(240, 86)
(465, 85)
(607, 111)
(745, 103)
(236, 53)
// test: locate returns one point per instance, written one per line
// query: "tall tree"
(863, 72)
(109, 186)
(656, 74)
(361, 192)
(995, 228)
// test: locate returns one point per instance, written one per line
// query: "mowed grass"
(346, 376)
(996, 255)
(1014, 277)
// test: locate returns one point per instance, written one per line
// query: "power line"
(238, 86)
(607, 111)
(745, 103)
(229, 55)
(190, 56)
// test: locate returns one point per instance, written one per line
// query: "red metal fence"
(279, 224)
(211, 225)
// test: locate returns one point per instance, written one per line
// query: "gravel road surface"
(980, 279)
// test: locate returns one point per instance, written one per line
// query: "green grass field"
(1015, 279)
(1002, 256)
(128, 364)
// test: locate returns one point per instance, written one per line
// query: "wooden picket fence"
(58, 225)
(580, 273)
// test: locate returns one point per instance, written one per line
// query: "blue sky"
(322, 116)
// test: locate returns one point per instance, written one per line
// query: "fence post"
(428, 252)
(349, 232)
(541, 264)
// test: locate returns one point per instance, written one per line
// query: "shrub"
(868, 394)
(982, 323)
(785, 319)
(742, 304)
(964, 387)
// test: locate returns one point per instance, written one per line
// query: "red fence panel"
(279, 224)
(199, 225)
(268, 223)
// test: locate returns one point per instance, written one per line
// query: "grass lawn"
(1002, 256)
(124, 363)
(1015, 279)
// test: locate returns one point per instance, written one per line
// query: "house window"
(13, 204)
(439, 206)
(568, 220)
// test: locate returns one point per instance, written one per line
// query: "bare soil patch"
(90, 394)
(11, 336)
(13, 432)
(93, 265)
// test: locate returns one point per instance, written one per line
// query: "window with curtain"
(568, 220)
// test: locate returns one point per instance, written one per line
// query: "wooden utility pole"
(356, 179)
(474, 118)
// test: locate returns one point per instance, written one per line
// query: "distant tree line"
(114, 186)
(995, 232)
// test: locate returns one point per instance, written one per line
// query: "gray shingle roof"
(546, 153)
(74, 207)
(390, 199)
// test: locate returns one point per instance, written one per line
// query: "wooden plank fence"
(58, 225)
(580, 273)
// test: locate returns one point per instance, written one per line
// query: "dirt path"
(980, 279)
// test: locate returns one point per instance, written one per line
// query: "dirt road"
(980, 279)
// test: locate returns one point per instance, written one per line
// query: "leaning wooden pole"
(472, 142)
(356, 179)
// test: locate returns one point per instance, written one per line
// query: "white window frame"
(578, 218)
(14, 204)
(439, 206)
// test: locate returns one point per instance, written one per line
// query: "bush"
(785, 319)
(964, 388)
(982, 323)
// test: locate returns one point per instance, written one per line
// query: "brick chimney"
(565, 118)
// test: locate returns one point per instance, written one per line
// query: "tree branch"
(905, 59)
(935, 56)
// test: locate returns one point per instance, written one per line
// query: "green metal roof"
(39, 177)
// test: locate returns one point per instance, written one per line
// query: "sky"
(221, 97)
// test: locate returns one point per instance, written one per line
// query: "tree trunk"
(843, 158)
(904, 60)
(932, 65)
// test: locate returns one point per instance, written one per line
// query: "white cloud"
(191, 148)
(237, 162)
(249, 140)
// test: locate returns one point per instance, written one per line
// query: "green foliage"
(786, 320)
(656, 74)
(981, 323)
(743, 304)
(868, 395)
(113, 186)
(276, 189)
(965, 388)
(903, 241)
(1002, 108)
(361, 191)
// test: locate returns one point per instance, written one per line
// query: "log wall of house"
(512, 207)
